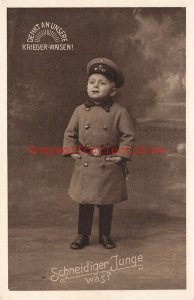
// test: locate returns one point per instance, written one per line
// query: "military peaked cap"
(106, 67)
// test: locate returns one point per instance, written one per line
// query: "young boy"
(99, 137)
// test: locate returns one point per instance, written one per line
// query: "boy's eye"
(103, 83)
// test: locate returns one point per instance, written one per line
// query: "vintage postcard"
(95, 102)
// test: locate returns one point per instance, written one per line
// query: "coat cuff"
(68, 150)
(125, 152)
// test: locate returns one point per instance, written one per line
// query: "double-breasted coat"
(96, 180)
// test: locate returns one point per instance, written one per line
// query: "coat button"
(107, 109)
(105, 128)
(87, 126)
(87, 108)
(85, 164)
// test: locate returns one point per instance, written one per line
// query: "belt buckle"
(95, 151)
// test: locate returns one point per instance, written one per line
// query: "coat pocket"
(115, 167)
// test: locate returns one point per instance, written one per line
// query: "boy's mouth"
(95, 92)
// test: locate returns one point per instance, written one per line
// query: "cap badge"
(100, 68)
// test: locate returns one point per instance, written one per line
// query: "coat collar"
(106, 105)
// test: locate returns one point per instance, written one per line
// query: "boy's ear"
(113, 92)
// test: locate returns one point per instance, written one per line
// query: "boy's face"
(99, 87)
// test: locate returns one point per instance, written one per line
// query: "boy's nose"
(96, 84)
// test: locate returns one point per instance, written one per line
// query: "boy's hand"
(115, 159)
(75, 156)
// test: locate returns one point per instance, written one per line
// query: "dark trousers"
(86, 212)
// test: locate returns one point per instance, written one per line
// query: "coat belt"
(97, 151)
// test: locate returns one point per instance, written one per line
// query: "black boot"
(80, 242)
(105, 221)
(107, 241)
(84, 226)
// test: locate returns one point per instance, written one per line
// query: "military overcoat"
(96, 180)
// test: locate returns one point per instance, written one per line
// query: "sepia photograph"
(96, 158)
(96, 114)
